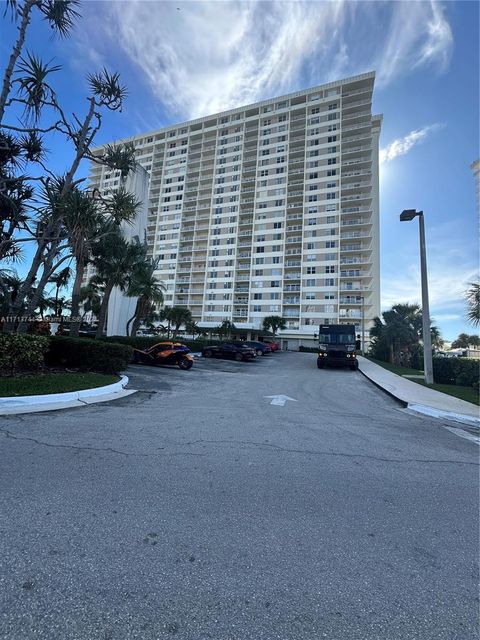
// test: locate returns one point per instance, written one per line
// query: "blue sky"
(181, 60)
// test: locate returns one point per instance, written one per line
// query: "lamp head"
(408, 214)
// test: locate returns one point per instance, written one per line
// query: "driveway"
(196, 509)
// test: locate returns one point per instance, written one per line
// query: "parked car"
(238, 351)
(274, 346)
(261, 348)
(165, 353)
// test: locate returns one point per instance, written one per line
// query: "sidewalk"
(419, 398)
(12, 405)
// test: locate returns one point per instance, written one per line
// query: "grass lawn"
(464, 393)
(400, 371)
(43, 383)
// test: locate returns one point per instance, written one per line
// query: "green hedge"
(88, 355)
(20, 351)
(460, 371)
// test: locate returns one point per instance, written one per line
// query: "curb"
(389, 393)
(52, 401)
(426, 410)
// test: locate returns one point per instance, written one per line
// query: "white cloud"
(401, 146)
(419, 35)
(446, 288)
(210, 56)
(204, 57)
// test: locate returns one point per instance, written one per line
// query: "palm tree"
(114, 260)
(274, 323)
(193, 329)
(91, 300)
(473, 303)
(60, 280)
(225, 329)
(148, 290)
(175, 316)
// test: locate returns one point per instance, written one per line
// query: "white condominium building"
(268, 209)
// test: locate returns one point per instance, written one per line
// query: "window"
(331, 196)
(257, 296)
(312, 221)
(329, 269)
(259, 260)
(331, 185)
(276, 260)
(275, 283)
(330, 244)
(264, 172)
(332, 139)
(332, 160)
(332, 106)
(311, 269)
(310, 282)
(310, 246)
(277, 225)
(315, 110)
(330, 219)
(329, 296)
(260, 250)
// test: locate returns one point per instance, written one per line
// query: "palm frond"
(107, 88)
(33, 86)
(61, 14)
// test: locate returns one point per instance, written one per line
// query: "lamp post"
(363, 325)
(405, 216)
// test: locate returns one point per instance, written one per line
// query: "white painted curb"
(23, 402)
(446, 415)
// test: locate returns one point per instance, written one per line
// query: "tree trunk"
(140, 312)
(102, 316)
(76, 294)
(22, 30)
(48, 269)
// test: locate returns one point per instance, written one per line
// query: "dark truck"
(336, 346)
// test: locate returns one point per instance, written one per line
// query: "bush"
(88, 355)
(20, 351)
(461, 371)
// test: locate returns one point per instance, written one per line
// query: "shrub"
(88, 355)
(461, 371)
(20, 351)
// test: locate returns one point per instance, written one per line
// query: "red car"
(274, 346)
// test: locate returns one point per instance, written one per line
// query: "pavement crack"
(8, 434)
(266, 445)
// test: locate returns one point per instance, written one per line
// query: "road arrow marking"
(280, 400)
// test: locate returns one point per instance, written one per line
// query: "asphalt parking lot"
(198, 508)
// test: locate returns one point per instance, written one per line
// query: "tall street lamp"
(363, 325)
(405, 216)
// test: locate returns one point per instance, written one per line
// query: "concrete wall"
(120, 307)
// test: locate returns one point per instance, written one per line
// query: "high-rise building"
(268, 209)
